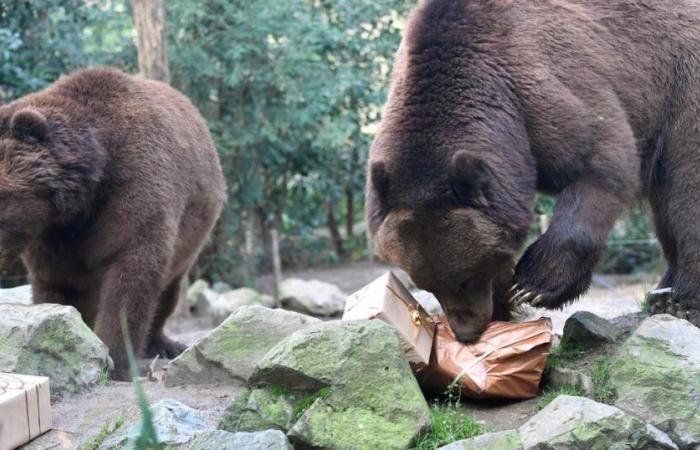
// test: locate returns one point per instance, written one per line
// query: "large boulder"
(312, 297)
(21, 295)
(586, 330)
(175, 423)
(656, 373)
(52, 341)
(357, 388)
(580, 423)
(503, 440)
(231, 352)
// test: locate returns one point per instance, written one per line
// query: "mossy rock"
(656, 374)
(502, 440)
(230, 353)
(358, 389)
(53, 341)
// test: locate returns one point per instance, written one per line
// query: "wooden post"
(149, 23)
(276, 265)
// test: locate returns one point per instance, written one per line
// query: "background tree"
(150, 27)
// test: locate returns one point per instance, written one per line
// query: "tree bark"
(350, 213)
(276, 265)
(149, 23)
(336, 239)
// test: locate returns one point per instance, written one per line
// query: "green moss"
(308, 399)
(109, 427)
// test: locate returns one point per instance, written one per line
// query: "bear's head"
(446, 238)
(44, 175)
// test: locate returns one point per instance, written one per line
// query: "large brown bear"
(597, 101)
(109, 186)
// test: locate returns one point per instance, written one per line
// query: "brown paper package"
(506, 362)
(25, 409)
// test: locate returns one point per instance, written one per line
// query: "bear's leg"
(133, 283)
(158, 343)
(558, 267)
(675, 200)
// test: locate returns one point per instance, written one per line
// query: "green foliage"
(563, 353)
(103, 377)
(307, 400)
(147, 438)
(448, 423)
(604, 391)
(632, 246)
(107, 428)
(550, 394)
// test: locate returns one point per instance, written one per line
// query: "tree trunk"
(336, 239)
(149, 23)
(276, 265)
(350, 212)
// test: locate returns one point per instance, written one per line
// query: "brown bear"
(596, 101)
(109, 186)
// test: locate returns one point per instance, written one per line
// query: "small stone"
(503, 440)
(656, 374)
(21, 295)
(225, 304)
(201, 302)
(587, 330)
(270, 407)
(561, 376)
(53, 341)
(230, 353)
(312, 297)
(580, 423)
(174, 423)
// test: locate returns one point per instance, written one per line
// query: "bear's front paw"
(549, 278)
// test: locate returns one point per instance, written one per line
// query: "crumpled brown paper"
(506, 362)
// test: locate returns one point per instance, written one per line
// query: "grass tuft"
(562, 354)
(549, 395)
(448, 423)
(308, 399)
(107, 428)
(603, 390)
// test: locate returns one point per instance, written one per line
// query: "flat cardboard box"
(25, 409)
(387, 299)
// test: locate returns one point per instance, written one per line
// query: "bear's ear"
(471, 179)
(29, 125)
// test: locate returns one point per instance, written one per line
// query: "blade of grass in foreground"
(147, 438)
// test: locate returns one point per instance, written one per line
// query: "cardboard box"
(506, 362)
(25, 409)
(389, 300)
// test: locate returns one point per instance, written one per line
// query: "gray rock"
(561, 376)
(52, 341)
(21, 295)
(656, 374)
(229, 302)
(587, 330)
(195, 289)
(580, 423)
(312, 297)
(174, 423)
(269, 407)
(201, 302)
(267, 440)
(428, 302)
(223, 440)
(503, 440)
(230, 353)
(359, 391)
(220, 287)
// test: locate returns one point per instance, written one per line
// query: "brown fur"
(109, 186)
(596, 101)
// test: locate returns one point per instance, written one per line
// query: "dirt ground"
(78, 418)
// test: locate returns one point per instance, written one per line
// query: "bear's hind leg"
(675, 200)
(158, 343)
